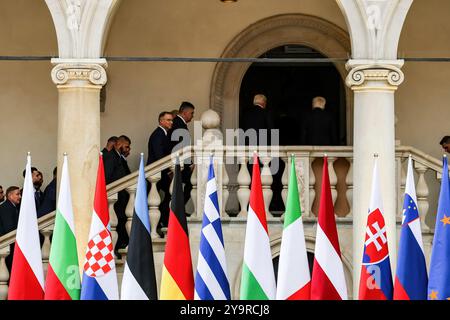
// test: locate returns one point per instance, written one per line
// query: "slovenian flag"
(294, 280)
(139, 281)
(177, 281)
(63, 275)
(327, 280)
(258, 277)
(411, 279)
(27, 275)
(376, 276)
(99, 276)
(211, 281)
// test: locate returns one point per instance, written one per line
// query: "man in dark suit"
(38, 180)
(158, 148)
(9, 218)
(179, 138)
(115, 170)
(319, 127)
(48, 204)
(258, 118)
(110, 144)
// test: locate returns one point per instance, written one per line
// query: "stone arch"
(310, 241)
(264, 35)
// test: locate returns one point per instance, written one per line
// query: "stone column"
(374, 85)
(79, 83)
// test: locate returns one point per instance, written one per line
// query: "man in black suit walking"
(179, 138)
(48, 204)
(318, 127)
(9, 218)
(158, 148)
(115, 170)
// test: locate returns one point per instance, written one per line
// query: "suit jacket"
(125, 165)
(9, 217)
(319, 129)
(180, 139)
(114, 169)
(259, 119)
(48, 204)
(158, 145)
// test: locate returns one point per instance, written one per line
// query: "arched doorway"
(290, 88)
(294, 29)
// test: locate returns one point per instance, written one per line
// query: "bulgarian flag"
(63, 276)
(177, 281)
(258, 277)
(27, 274)
(294, 280)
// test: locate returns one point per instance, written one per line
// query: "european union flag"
(439, 281)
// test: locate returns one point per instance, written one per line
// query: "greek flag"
(211, 282)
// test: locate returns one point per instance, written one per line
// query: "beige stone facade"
(49, 115)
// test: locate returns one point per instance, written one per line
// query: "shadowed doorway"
(290, 88)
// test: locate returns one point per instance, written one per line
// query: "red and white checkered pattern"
(99, 255)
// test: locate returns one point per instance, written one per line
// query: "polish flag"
(27, 273)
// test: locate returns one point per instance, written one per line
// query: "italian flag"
(294, 280)
(258, 277)
(63, 276)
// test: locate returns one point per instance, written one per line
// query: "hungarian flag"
(411, 279)
(99, 277)
(63, 275)
(27, 275)
(258, 276)
(177, 281)
(376, 277)
(139, 281)
(294, 280)
(328, 280)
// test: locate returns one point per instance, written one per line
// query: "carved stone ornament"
(72, 74)
(388, 76)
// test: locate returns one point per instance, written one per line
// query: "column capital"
(374, 75)
(79, 72)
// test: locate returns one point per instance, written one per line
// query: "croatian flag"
(411, 278)
(376, 277)
(99, 276)
(211, 281)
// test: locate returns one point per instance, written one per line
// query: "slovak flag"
(376, 277)
(99, 270)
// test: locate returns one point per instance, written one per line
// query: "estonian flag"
(139, 281)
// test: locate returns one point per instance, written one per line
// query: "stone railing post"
(312, 190)
(4, 273)
(349, 183)
(194, 191)
(266, 181)
(285, 177)
(243, 180)
(129, 210)
(112, 199)
(154, 200)
(422, 193)
(46, 232)
(225, 192)
(333, 178)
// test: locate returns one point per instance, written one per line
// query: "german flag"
(177, 282)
